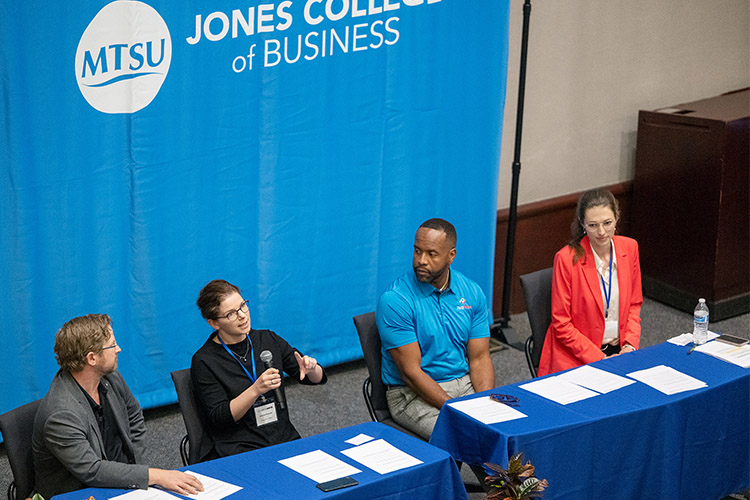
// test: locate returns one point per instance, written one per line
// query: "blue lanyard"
(608, 292)
(252, 379)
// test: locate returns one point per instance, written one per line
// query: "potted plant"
(517, 482)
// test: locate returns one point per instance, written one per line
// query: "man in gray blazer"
(89, 429)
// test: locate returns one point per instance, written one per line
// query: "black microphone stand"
(501, 325)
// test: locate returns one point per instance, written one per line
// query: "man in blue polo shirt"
(434, 327)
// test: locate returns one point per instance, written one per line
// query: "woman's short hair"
(592, 198)
(80, 336)
(211, 296)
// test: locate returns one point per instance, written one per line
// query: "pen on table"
(692, 348)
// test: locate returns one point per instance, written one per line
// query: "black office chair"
(373, 388)
(537, 290)
(197, 445)
(17, 427)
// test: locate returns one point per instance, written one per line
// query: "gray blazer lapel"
(75, 390)
(120, 413)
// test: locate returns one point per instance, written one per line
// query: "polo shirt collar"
(427, 288)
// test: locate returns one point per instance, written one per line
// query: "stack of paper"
(577, 384)
(213, 489)
(486, 410)
(727, 352)
(381, 456)
(687, 338)
(667, 380)
(147, 494)
(595, 379)
(559, 390)
(319, 466)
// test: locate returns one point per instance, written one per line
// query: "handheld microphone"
(267, 357)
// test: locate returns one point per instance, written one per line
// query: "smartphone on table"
(337, 484)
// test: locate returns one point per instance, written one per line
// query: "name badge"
(610, 330)
(265, 412)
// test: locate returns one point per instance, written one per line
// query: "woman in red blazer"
(596, 299)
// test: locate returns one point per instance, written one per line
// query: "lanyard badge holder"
(264, 407)
(610, 327)
(607, 287)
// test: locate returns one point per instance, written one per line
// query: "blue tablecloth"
(632, 443)
(262, 477)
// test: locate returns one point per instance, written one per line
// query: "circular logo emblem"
(123, 57)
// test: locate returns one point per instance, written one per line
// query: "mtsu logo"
(123, 57)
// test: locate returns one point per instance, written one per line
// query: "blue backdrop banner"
(291, 147)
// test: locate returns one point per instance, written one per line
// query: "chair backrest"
(198, 442)
(537, 290)
(369, 338)
(17, 427)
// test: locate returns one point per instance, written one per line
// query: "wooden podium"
(691, 208)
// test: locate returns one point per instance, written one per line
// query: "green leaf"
(517, 482)
(527, 487)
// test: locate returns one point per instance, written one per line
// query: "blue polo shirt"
(441, 322)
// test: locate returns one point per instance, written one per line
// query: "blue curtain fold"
(302, 182)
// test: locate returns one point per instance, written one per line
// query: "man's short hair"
(211, 296)
(444, 226)
(80, 336)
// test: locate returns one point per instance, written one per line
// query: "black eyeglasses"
(505, 399)
(232, 315)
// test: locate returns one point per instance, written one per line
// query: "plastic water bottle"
(700, 322)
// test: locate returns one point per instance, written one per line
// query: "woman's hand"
(306, 364)
(268, 381)
(623, 350)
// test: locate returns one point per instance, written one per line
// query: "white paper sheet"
(683, 339)
(687, 338)
(486, 410)
(319, 466)
(558, 390)
(213, 489)
(359, 439)
(381, 456)
(595, 379)
(147, 494)
(727, 352)
(667, 380)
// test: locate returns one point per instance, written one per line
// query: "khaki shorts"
(412, 412)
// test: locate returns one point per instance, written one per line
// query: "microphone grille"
(266, 356)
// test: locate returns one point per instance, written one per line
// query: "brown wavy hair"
(591, 198)
(80, 336)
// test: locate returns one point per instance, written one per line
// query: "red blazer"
(575, 336)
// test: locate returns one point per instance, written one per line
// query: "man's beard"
(430, 277)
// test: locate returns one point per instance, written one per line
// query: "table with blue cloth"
(261, 476)
(631, 443)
